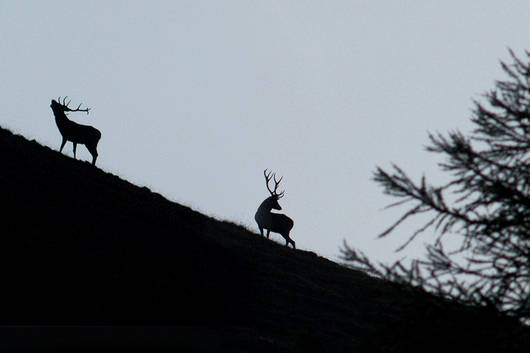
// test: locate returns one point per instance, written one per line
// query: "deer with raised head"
(274, 222)
(72, 131)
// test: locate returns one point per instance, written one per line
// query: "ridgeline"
(91, 262)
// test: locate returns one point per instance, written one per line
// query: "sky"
(195, 99)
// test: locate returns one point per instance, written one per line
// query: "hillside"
(91, 261)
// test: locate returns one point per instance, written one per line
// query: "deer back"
(279, 223)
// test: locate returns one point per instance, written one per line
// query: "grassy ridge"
(80, 246)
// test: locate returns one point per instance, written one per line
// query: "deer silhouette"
(274, 222)
(72, 131)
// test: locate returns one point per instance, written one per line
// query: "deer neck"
(60, 119)
(265, 207)
(264, 211)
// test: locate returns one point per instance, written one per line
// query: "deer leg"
(93, 151)
(62, 145)
(261, 230)
(289, 240)
(268, 233)
(75, 146)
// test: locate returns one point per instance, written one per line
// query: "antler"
(66, 108)
(268, 177)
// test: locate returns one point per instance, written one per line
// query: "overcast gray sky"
(195, 98)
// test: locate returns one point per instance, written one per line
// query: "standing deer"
(71, 131)
(273, 222)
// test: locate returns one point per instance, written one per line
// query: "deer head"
(275, 196)
(57, 105)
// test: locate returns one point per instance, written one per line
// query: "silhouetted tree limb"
(486, 205)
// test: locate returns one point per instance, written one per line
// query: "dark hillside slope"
(80, 246)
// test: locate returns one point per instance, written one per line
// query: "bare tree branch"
(489, 212)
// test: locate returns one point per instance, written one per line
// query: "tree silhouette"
(485, 205)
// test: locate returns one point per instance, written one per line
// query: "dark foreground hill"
(91, 262)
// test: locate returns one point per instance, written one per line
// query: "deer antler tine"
(267, 179)
(269, 176)
(276, 183)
